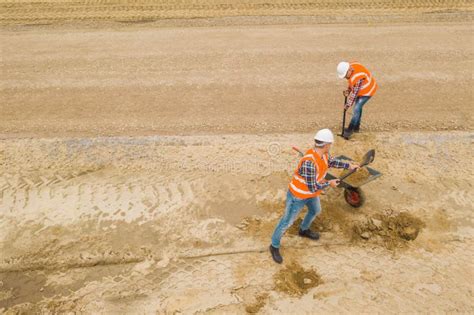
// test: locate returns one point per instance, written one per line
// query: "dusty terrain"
(143, 166)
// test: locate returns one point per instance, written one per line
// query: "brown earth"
(358, 178)
(260, 302)
(106, 224)
(392, 231)
(296, 281)
(219, 12)
(122, 79)
(144, 166)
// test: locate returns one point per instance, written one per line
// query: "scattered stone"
(377, 223)
(409, 233)
(365, 235)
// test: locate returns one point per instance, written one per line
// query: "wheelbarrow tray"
(373, 174)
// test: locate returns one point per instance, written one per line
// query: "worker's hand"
(334, 182)
(354, 166)
(346, 92)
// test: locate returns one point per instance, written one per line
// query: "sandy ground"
(232, 79)
(218, 12)
(143, 166)
(170, 224)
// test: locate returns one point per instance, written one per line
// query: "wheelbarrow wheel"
(354, 197)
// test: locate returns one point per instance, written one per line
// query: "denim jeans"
(357, 112)
(292, 209)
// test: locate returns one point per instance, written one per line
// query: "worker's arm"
(338, 163)
(309, 173)
(352, 96)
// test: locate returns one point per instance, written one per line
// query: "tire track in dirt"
(105, 198)
(32, 181)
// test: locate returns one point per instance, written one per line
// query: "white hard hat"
(324, 135)
(342, 69)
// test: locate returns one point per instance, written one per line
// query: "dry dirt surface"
(127, 79)
(182, 223)
(166, 12)
(143, 166)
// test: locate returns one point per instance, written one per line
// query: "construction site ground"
(145, 155)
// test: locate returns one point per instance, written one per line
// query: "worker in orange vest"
(362, 87)
(305, 187)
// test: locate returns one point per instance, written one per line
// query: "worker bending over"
(362, 87)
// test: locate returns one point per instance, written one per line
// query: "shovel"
(343, 119)
(353, 195)
(366, 160)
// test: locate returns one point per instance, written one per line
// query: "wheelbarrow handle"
(298, 150)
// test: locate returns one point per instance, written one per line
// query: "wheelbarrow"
(353, 194)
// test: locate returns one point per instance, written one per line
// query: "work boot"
(347, 133)
(276, 254)
(357, 129)
(309, 234)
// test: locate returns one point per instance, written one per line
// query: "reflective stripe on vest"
(369, 86)
(298, 186)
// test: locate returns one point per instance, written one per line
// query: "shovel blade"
(368, 158)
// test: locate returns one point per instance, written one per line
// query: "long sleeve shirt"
(309, 173)
(353, 95)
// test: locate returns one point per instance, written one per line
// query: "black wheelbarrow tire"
(354, 197)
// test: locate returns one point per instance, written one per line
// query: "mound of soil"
(392, 231)
(357, 178)
(331, 219)
(260, 301)
(296, 281)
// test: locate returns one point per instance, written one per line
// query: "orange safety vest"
(369, 86)
(298, 186)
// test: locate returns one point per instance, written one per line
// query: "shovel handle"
(344, 116)
(368, 158)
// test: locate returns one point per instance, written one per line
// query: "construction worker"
(362, 87)
(305, 187)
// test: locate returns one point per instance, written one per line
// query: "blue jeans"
(292, 209)
(357, 112)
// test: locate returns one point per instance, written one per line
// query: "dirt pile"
(390, 230)
(357, 178)
(296, 281)
(260, 302)
(331, 219)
